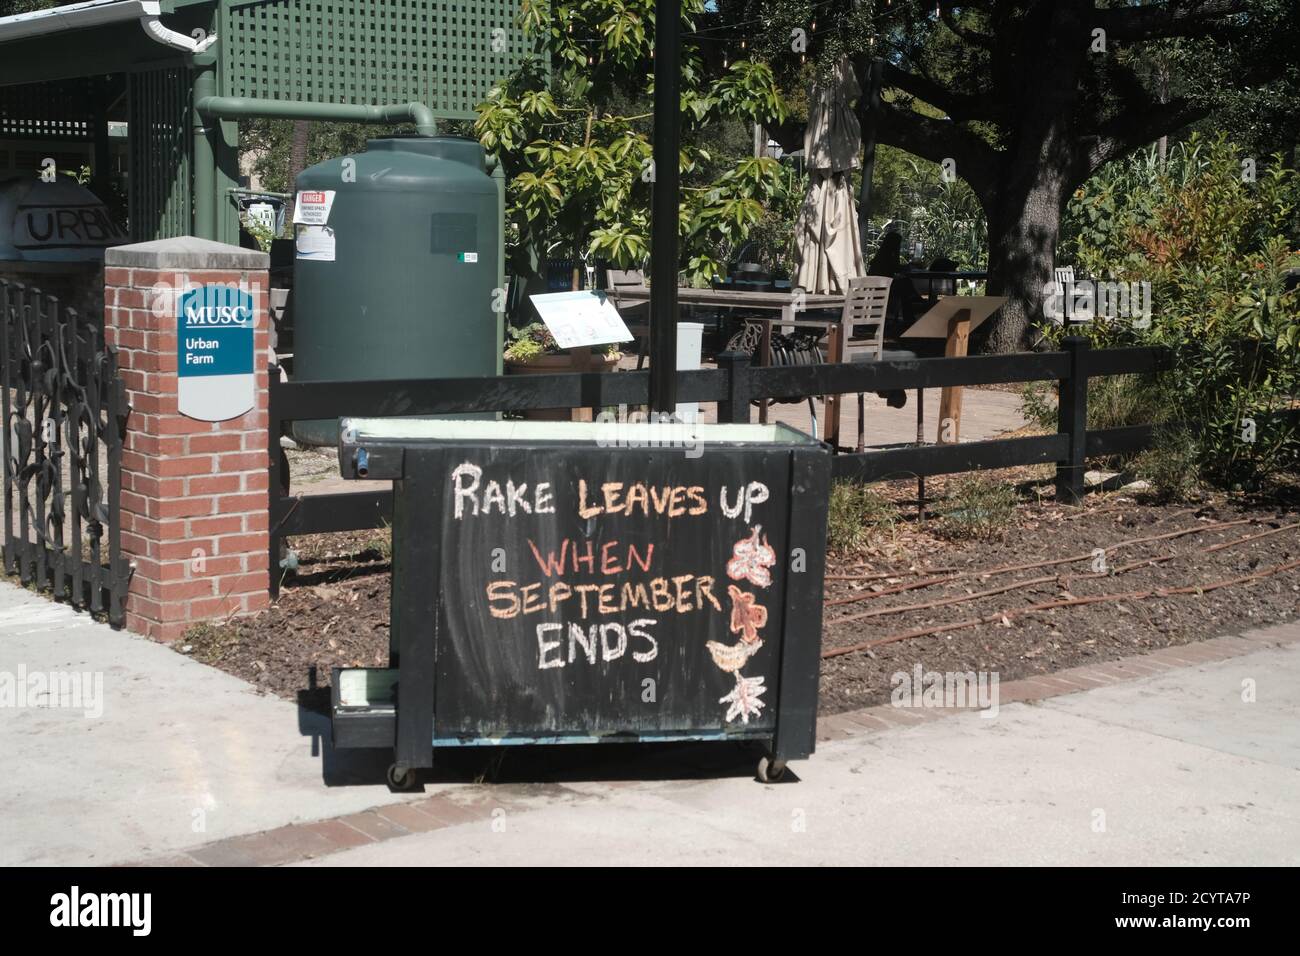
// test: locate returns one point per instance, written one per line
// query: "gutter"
(98, 13)
(77, 16)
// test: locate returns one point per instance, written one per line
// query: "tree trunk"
(297, 159)
(1024, 222)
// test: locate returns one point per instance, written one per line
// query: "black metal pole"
(663, 212)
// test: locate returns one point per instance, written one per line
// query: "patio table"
(784, 302)
(931, 277)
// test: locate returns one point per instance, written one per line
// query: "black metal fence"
(65, 413)
(734, 385)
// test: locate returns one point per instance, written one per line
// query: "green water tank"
(396, 266)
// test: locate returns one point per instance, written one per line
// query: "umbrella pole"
(664, 212)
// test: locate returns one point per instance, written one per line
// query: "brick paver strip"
(863, 721)
(373, 825)
(1025, 690)
(303, 841)
(409, 816)
(446, 812)
(1060, 686)
(342, 836)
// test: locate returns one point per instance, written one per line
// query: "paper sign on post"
(581, 318)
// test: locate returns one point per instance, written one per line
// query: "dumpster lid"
(612, 432)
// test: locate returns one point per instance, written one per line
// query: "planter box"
(557, 365)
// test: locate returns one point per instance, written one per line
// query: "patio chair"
(1064, 276)
(617, 279)
(865, 305)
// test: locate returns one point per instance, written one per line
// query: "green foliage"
(529, 342)
(534, 340)
(944, 217)
(976, 507)
(857, 515)
(575, 140)
(1171, 465)
(1216, 249)
(1114, 401)
(259, 231)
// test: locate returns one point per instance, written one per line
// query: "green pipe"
(499, 177)
(205, 156)
(243, 107)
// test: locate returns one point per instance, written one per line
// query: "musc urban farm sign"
(214, 353)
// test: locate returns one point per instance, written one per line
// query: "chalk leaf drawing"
(746, 615)
(732, 657)
(750, 560)
(744, 698)
(751, 557)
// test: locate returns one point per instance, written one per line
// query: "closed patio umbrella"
(828, 246)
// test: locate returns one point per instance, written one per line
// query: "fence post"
(1072, 420)
(734, 410)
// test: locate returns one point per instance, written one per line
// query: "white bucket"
(690, 339)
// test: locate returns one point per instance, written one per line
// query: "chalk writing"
(466, 478)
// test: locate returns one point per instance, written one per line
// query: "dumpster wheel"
(770, 769)
(400, 778)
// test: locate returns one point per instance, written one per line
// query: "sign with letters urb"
(214, 353)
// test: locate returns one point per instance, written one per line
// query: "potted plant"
(532, 350)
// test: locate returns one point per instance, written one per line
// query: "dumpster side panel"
(636, 592)
(810, 490)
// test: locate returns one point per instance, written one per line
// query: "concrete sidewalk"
(1171, 769)
(1160, 762)
(182, 754)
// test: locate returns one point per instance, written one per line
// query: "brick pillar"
(194, 493)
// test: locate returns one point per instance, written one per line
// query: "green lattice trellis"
(160, 153)
(62, 110)
(444, 54)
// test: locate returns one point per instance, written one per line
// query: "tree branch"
(1131, 129)
(970, 36)
(936, 140)
(960, 106)
(1170, 19)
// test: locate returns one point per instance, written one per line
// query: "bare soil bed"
(334, 610)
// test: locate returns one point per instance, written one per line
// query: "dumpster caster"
(770, 769)
(400, 778)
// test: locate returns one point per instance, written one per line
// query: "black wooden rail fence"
(734, 384)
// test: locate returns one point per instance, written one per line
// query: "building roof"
(75, 16)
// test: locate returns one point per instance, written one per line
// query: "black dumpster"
(571, 582)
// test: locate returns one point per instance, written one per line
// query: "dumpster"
(592, 582)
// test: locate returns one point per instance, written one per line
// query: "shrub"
(1216, 250)
(977, 507)
(857, 514)
(1170, 465)
(1114, 401)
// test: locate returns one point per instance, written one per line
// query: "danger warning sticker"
(312, 207)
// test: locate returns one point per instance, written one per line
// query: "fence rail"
(734, 385)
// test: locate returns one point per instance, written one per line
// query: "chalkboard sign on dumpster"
(575, 582)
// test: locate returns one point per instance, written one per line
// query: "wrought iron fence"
(65, 414)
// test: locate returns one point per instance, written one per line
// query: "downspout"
(208, 106)
(204, 154)
(203, 157)
(177, 41)
(499, 178)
